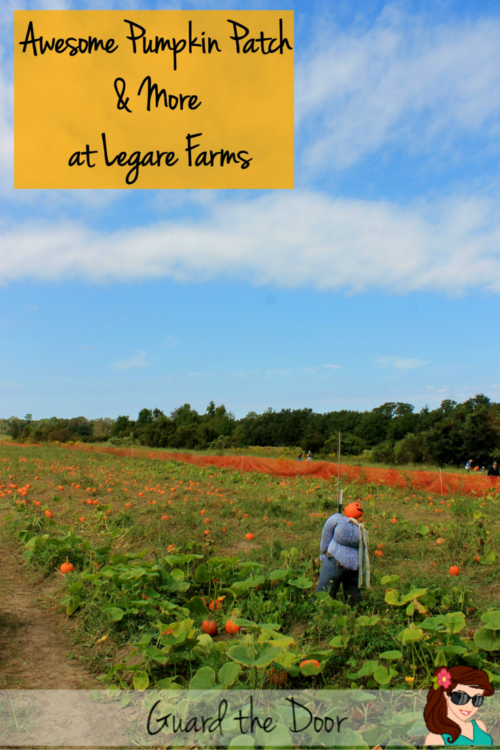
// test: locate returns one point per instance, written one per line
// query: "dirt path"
(35, 642)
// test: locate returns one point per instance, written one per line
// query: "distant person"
(309, 456)
(300, 457)
(493, 470)
(468, 465)
(482, 469)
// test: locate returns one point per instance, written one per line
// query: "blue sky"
(376, 279)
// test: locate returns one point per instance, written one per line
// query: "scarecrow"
(344, 554)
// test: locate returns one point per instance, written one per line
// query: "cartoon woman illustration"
(452, 702)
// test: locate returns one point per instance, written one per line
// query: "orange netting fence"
(440, 483)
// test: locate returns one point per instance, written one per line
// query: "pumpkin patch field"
(178, 575)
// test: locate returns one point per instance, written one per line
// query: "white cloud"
(138, 360)
(332, 367)
(288, 239)
(401, 363)
(402, 80)
(195, 374)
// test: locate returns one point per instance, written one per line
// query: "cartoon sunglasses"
(461, 699)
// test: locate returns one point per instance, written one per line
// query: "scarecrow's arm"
(328, 529)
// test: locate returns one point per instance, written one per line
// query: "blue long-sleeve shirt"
(340, 538)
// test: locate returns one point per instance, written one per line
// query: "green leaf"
(73, 605)
(154, 653)
(422, 530)
(168, 683)
(278, 575)
(118, 559)
(197, 606)
(278, 738)
(115, 613)
(460, 650)
(177, 574)
(141, 681)
(488, 559)
(242, 742)
(488, 640)
(201, 574)
(366, 670)
(392, 597)
(338, 641)
(204, 679)
(136, 572)
(367, 622)
(181, 559)
(229, 673)
(440, 659)
(253, 655)
(411, 635)
(453, 622)
(385, 580)
(391, 655)
(182, 628)
(301, 583)
(382, 675)
(491, 620)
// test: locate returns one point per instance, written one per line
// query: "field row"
(180, 575)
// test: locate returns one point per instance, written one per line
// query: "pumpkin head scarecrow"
(344, 554)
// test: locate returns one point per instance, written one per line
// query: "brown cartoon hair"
(436, 710)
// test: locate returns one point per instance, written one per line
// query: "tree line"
(451, 434)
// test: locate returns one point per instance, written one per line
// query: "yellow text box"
(153, 99)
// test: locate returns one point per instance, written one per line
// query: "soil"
(35, 641)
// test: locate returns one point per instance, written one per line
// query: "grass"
(286, 517)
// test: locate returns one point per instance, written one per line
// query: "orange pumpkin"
(49, 514)
(310, 661)
(232, 628)
(378, 553)
(454, 570)
(209, 627)
(249, 536)
(66, 567)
